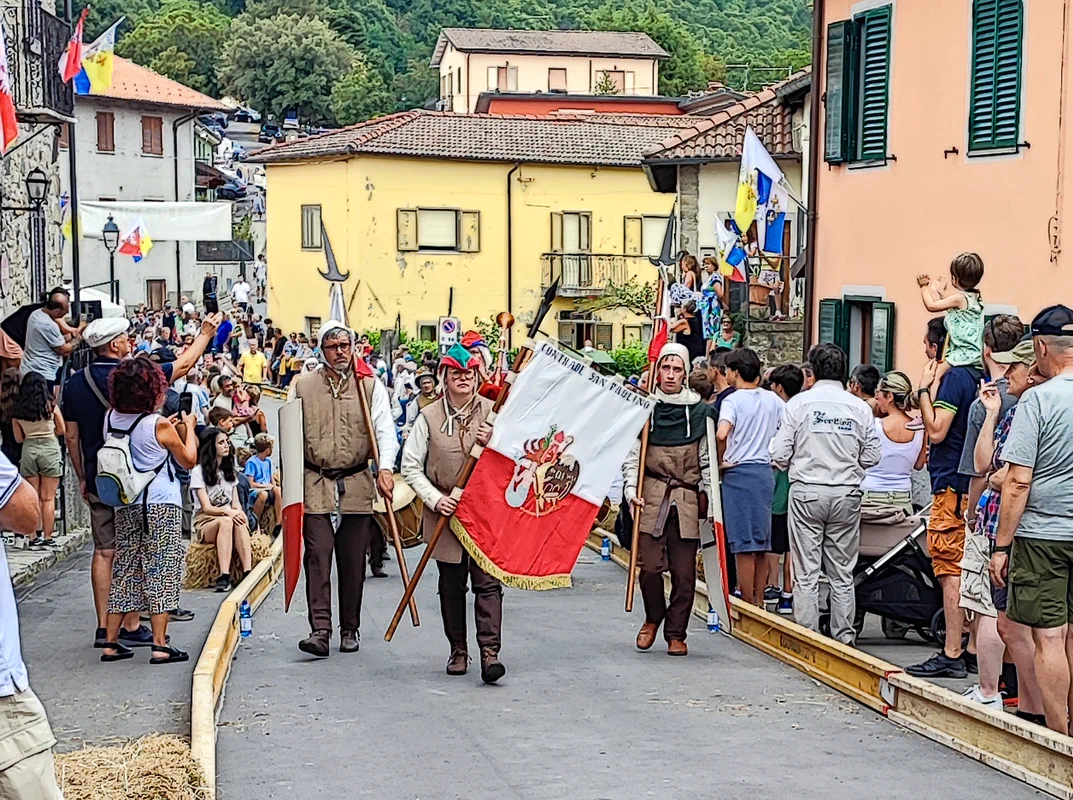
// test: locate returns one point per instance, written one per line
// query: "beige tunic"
(336, 436)
(683, 463)
(445, 459)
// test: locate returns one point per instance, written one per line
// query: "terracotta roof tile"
(590, 43)
(136, 83)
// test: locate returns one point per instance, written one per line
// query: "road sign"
(450, 329)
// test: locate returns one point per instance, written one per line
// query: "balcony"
(587, 274)
(35, 41)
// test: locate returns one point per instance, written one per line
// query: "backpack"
(119, 482)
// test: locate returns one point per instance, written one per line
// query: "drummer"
(432, 459)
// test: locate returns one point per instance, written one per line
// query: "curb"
(214, 663)
(1034, 755)
(75, 540)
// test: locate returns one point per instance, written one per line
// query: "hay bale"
(155, 767)
(202, 569)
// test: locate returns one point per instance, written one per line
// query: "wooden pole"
(392, 522)
(456, 493)
(650, 380)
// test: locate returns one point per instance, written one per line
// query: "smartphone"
(186, 403)
(212, 306)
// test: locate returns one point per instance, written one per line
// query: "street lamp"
(36, 187)
(110, 234)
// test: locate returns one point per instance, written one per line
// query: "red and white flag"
(8, 120)
(70, 63)
(292, 480)
(558, 442)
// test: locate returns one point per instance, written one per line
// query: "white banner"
(165, 222)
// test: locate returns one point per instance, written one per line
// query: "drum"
(408, 508)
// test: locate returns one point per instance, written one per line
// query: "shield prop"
(292, 468)
(713, 541)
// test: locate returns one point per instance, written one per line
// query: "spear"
(471, 459)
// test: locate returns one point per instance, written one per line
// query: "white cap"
(101, 331)
(676, 350)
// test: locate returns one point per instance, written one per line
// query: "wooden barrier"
(214, 664)
(1030, 753)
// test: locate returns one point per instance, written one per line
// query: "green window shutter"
(882, 355)
(838, 90)
(995, 107)
(874, 32)
(832, 323)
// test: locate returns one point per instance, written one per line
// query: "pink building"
(944, 128)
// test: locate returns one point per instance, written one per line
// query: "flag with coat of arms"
(762, 195)
(136, 241)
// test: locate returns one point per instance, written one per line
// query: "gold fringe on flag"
(538, 583)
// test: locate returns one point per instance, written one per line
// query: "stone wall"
(777, 342)
(689, 197)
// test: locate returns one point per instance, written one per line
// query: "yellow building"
(424, 209)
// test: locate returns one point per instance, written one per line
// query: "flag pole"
(471, 460)
(650, 379)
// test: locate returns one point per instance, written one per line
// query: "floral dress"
(711, 309)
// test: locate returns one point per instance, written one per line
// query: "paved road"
(580, 714)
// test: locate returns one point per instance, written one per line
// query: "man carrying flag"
(673, 499)
(432, 459)
(337, 446)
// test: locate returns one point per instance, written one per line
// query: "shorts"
(780, 534)
(41, 458)
(101, 523)
(255, 493)
(1041, 582)
(946, 532)
(1000, 597)
(26, 740)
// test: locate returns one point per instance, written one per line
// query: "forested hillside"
(340, 61)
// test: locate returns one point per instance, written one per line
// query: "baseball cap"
(1053, 321)
(1022, 353)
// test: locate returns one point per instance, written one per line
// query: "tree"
(416, 86)
(605, 84)
(285, 62)
(361, 95)
(182, 40)
(103, 13)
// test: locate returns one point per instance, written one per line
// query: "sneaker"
(771, 594)
(939, 665)
(223, 583)
(972, 663)
(974, 695)
(140, 637)
(737, 593)
(178, 615)
(786, 605)
(38, 543)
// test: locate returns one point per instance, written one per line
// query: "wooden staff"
(471, 460)
(650, 379)
(392, 522)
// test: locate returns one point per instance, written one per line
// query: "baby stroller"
(894, 580)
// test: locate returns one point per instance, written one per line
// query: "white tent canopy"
(108, 308)
(165, 222)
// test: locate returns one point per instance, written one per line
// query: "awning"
(207, 176)
(165, 222)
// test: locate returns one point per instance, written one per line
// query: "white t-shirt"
(13, 677)
(260, 272)
(241, 292)
(219, 495)
(188, 307)
(755, 415)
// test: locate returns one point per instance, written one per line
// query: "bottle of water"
(713, 620)
(245, 620)
(605, 549)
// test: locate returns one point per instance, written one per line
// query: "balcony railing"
(586, 274)
(35, 41)
(225, 252)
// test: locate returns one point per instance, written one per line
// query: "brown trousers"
(487, 603)
(659, 554)
(349, 544)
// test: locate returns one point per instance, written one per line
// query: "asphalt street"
(580, 714)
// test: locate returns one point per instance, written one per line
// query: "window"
(995, 109)
(312, 326)
(858, 72)
(503, 79)
(153, 136)
(571, 232)
(556, 80)
(63, 138)
(105, 132)
(311, 228)
(863, 327)
(643, 236)
(156, 293)
(438, 229)
(427, 331)
(631, 334)
(610, 81)
(576, 328)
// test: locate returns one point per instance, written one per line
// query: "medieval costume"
(338, 477)
(675, 496)
(432, 459)
(427, 386)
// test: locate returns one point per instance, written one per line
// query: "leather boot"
(675, 647)
(491, 668)
(349, 642)
(316, 644)
(458, 663)
(378, 571)
(646, 637)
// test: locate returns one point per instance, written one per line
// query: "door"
(156, 291)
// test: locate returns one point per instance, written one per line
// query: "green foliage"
(361, 95)
(640, 298)
(285, 62)
(605, 85)
(374, 338)
(183, 40)
(631, 359)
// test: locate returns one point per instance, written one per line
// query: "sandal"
(174, 655)
(121, 652)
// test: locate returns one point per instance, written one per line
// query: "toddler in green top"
(964, 316)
